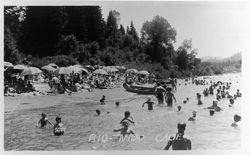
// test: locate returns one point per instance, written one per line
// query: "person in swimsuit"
(59, 129)
(125, 130)
(149, 103)
(179, 142)
(198, 95)
(43, 121)
(169, 97)
(159, 93)
(237, 118)
(127, 117)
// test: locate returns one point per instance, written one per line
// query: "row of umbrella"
(143, 72)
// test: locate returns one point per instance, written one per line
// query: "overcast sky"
(217, 29)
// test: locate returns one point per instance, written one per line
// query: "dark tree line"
(79, 34)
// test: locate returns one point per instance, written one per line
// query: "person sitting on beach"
(149, 103)
(193, 118)
(215, 107)
(159, 93)
(125, 130)
(43, 121)
(127, 117)
(102, 100)
(237, 118)
(59, 129)
(30, 87)
(169, 97)
(198, 95)
(179, 142)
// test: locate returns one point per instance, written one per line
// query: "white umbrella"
(53, 65)
(100, 71)
(143, 72)
(77, 69)
(113, 70)
(49, 68)
(131, 71)
(30, 71)
(20, 67)
(63, 70)
(8, 64)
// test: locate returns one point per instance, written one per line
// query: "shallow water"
(207, 132)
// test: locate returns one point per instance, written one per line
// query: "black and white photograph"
(124, 75)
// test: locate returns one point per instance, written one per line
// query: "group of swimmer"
(178, 142)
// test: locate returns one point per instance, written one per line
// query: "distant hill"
(233, 58)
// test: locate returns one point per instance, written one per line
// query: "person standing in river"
(159, 93)
(169, 97)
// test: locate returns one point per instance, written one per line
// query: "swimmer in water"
(193, 118)
(237, 118)
(98, 112)
(43, 121)
(215, 107)
(59, 129)
(211, 112)
(179, 142)
(125, 130)
(102, 100)
(117, 104)
(179, 108)
(127, 117)
(149, 103)
(231, 100)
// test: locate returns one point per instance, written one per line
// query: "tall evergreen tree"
(111, 30)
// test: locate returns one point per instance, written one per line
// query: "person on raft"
(169, 97)
(43, 121)
(159, 93)
(59, 129)
(149, 103)
(179, 142)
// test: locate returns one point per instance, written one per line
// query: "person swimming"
(179, 108)
(211, 112)
(215, 107)
(127, 117)
(193, 118)
(149, 103)
(237, 118)
(179, 142)
(117, 104)
(102, 100)
(43, 121)
(98, 112)
(59, 129)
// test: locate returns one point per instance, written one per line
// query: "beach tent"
(8, 64)
(131, 71)
(20, 67)
(63, 70)
(143, 72)
(30, 71)
(100, 71)
(48, 68)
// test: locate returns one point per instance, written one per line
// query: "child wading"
(169, 97)
(149, 103)
(43, 121)
(59, 129)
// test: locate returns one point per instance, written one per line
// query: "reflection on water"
(207, 132)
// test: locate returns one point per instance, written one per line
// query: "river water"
(85, 131)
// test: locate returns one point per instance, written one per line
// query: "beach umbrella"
(48, 68)
(113, 70)
(53, 65)
(131, 71)
(20, 67)
(8, 64)
(77, 69)
(90, 67)
(30, 71)
(63, 70)
(78, 65)
(100, 71)
(143, 72)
